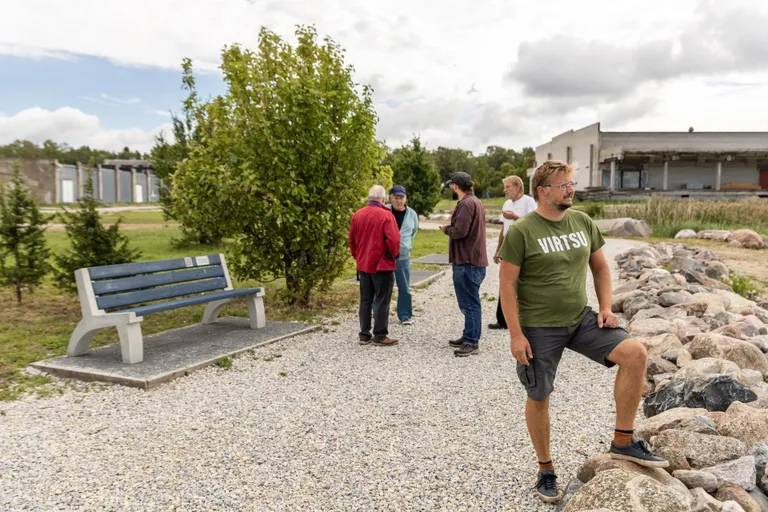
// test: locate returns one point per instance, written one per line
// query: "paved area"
(433, 259)
(419, 278)
(171, 354)
(315, 422)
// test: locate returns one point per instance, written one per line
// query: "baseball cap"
(460, 178)
(397, 190)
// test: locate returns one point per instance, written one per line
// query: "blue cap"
(397, 190)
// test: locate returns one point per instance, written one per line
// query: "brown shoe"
(385, 342)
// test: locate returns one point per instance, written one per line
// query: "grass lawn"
(41, 326)
(137, 217)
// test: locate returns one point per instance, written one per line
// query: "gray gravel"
(313, 423)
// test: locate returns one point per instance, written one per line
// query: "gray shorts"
(548, 343)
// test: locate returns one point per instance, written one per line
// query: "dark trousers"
(467, 279)
(500, 314)
(377, 285)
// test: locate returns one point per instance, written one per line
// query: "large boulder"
(667, 420)
(748, 239)
(669, 299)
(689, 450)
(760, 453)
(740, 330)
(710, 366)
(670, 314)
(657, 365)
(685, 233)
(717, 270)
(689, 327)
(617, 303)
(760, 498)
(704, 502)
(738, 472)
(636, 304)
(650, 327)
(748, 425)
(714, 234)
(714, 393)
(733, 493)
(714, 303)
(657, 345)
(693, 478)
(624, 227)
(619, 489)
(742, 353)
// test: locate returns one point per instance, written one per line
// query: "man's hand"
(607, 319)
(442, 228)
(496, 259)
(521, 349)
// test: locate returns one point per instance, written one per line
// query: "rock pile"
(739, 238)
(706, 396)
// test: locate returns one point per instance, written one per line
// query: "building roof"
(685, 142)
(128, 163)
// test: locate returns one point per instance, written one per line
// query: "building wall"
(109, 188)
(40, 176)
(126, 185)
(581, 146)
(685, 141)
(681, 173)
(68, 173)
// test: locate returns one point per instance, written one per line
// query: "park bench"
(118, 296)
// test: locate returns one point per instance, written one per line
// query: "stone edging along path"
(706, 396)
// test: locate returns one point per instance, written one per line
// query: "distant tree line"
(63, 152)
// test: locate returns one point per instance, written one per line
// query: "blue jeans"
(467, 279)
(404, 298)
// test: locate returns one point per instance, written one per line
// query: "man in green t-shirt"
(544, 297)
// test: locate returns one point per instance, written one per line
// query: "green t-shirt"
(553, 258)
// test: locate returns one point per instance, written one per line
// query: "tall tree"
(415, 169)
(23, 251)
(92, 244)
(284, 158)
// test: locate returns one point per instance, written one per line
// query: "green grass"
(41, 326)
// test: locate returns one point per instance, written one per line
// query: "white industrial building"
(679, 164)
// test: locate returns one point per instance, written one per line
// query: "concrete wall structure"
(53, 183)
(663, 161)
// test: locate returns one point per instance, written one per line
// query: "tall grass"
(668, 216)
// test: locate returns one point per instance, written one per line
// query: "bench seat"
(191, 301)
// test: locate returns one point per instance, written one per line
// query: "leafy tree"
(92, 244)
(166, 155)
(283, 160)
(65, 154)
(414, 168)
(22, 239)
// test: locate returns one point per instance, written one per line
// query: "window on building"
(591, 163)
(549, 156)
(568, 155)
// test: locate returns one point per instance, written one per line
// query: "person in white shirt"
(517, 205)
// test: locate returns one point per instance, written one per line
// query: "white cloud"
(74, 127)
(632, 63)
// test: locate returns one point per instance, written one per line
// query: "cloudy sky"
(459, 73)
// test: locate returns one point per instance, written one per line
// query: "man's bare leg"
(537, 419)
(631, 357)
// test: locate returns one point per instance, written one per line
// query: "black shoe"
(384, 342)
(366, 340)
(496, 326)
(456, 343)
(467, 350)
(546, 487)
(637, 451)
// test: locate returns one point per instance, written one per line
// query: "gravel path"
(313, 423)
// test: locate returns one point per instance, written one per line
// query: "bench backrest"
(128, 284)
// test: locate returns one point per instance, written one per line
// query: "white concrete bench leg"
(256, 311)
(213, 309)
(131, 343)
(81, 337)
(127, 326)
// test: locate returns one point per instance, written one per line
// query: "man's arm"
(601, 274)
(508, 214)
(462, 219)
(498, 246)
(519, 345)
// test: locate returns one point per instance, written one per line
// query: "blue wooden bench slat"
(167, 292)
(151, 280)
(147, 267)
(191, 301)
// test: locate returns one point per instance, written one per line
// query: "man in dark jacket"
(467, 254)
(374, 242)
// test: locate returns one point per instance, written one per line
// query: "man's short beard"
(562, 207)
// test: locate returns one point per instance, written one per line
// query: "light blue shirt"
(407, 231)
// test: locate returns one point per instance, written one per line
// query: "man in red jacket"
(374, 241)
